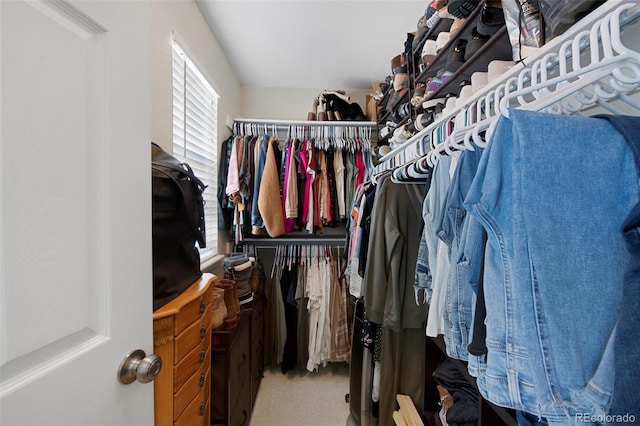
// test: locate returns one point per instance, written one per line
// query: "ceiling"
(311, 44)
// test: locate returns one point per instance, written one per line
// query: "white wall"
(195, 37)
(192, 32)
(286, 104)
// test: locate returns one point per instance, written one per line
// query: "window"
(195, 138)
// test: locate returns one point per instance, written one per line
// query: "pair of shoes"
(230, 302)
(239, 267)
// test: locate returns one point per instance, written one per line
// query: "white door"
(75, 211)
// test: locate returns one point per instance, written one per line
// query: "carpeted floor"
(300, 398)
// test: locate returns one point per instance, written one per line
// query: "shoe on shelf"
(491, 20)
(462, 8)
(441, 41)
(475, 43)
(433, 20)
(418, 95)
(429, 52)
(321, 113)
(458, 23)
(400, 78)
(455, 60)
(311, 116)
(479, 79)
(230, 301)
(466, 91)
(241, 268)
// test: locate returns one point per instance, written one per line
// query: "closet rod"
(300, 241)
(627, 18)
(372, 124)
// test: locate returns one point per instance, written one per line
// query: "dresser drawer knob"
(202, 306)
(202, 408)
(203, 332)
(202, 356)
(202, 380)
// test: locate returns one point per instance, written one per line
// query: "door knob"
(137, 365)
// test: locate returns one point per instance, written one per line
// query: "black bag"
(178, 222)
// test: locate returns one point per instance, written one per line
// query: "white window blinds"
(195, 138)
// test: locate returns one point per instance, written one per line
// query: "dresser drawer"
(182, 339)
(191, 388)
(192, 311)
(193, 335)
(193, 362)
(197, 412)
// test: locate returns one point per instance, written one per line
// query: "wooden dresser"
(182, 338)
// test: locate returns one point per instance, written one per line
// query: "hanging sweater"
(269, 200)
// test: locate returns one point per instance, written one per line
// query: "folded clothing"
(464, 410)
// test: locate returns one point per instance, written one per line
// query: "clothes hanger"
(374, 177)
(611, 73)
(604, 40)
(409, 174)
(467, 141)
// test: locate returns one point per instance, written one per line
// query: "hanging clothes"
(520, 229)
(553, 227)
(232, 189)
(317, 176)
(275, 326)
(233, 181)
(318, 290)
(269, 201)
(308, 309)
(302, 302)
(291, 197)
(338, 167)
(288, 285)
(260, 157)
(225, 209)
(389, 293)
(306, 158)
(340, 314)
(355, 240)
(333, 191)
